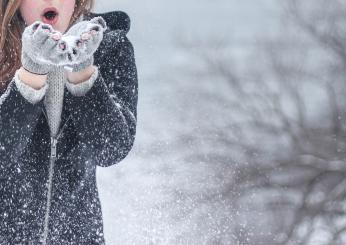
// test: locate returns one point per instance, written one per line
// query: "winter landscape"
(241, 134)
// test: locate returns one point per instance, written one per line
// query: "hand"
(40, 48)
(81, 41)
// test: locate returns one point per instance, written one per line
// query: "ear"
(100, 21)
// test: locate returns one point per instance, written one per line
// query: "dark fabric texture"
(97, 129)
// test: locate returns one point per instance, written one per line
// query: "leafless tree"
(273, 126)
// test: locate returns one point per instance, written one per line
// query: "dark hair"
(12, 26)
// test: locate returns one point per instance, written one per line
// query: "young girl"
(68, 83)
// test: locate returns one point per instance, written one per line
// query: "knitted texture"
(53, 92)
(53, 100)
(89, 43)
(82, 88)
(39, 50)
(38, 59)
(30, 94)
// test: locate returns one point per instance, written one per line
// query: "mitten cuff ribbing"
(33, 67)
(30, 94)
(82, 88)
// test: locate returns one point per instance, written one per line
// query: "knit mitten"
(82, 40)
(40, 48)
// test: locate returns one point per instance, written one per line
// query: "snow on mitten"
(82, 40)
(40, 49)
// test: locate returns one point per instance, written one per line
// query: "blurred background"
(241, 135)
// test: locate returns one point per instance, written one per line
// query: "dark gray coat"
(97, 129)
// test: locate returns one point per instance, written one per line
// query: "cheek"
(26, 8)
(66, 12)
(68, 8)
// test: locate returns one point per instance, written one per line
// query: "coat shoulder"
(115, 41)
(116, 20)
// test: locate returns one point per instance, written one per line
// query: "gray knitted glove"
(40, 50)
(82, 40)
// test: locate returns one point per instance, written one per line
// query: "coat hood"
(116, 20)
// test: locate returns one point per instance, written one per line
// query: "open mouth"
(50, 16)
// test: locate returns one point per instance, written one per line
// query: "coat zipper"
(53, 157)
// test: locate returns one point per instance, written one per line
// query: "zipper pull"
(53, 147)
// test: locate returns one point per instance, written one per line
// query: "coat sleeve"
(105, 116)
(18, 119)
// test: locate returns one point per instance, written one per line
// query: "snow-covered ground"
(146, 197)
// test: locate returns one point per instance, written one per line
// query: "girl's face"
(34, 10)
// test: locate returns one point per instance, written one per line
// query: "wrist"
(33, 80)
(82, 65)
(80, 76)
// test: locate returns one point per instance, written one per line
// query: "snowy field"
(152, 197)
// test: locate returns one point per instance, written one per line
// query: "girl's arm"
(32, 87)
(18, 116)
(79, 83)
(105, 117)
(81, 76)
(33, 80)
